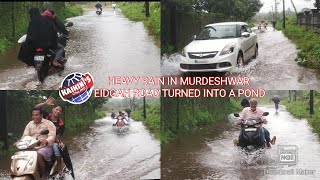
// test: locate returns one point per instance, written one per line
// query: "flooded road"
(105, 45)
(101, 153)
(210, 154)
(275, 67)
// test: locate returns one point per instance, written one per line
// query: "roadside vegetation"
(70, 11)
(76, 117)
(19, 23)
(184, 18)
(135, 11)
(300, 108)
(4, 43)
(307, 42)
(152, 122)
(179, 117)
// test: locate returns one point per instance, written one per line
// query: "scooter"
(250, 135)
(42, 60)
(262, 27)
(121, 125)
(24, 162)
(98, 11)
(113, 115)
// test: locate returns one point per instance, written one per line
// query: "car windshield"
(217, 32)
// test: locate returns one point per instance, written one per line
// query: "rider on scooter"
(98, 6)
(59, 49)
(114, 5)
(40, 34)
(54, 117)
(33, 129)
(123, 117)
(254, 112)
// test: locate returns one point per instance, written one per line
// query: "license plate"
(250, 129)
(200, 61)
(39, 58)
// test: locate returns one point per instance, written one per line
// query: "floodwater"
(101, 153)
(275, 67)
(210, 154)
(105, 46)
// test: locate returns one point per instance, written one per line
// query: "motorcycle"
(99, 11)
(121, 125)
(262, 27)
(250, 136)
(42, 59)
(24, 162)
(113, 115)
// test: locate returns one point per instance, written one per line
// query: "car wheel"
(256, 52)
(240, 61)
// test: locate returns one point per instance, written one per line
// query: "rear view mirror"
(69, 24)
(10, 135)
(265, 114)
(236, 114)
(245, 34)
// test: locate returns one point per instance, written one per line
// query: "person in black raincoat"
(41, 31)
(40, 34)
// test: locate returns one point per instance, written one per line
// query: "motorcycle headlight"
(183, 53)
(228, 49)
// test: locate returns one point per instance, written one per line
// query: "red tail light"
(39, 49)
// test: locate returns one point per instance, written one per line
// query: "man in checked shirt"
(254, 112)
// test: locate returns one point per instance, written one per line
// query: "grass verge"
(135, 11)
(4, 44)
(71, 11)
(152, 122)
(198, 118)
(300, 109)
(307, 42)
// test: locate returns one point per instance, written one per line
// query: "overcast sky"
(300, 4)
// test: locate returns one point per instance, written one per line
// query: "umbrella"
(128, 110)
(276, 100)
(66, 159)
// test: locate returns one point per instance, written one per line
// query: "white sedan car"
(220, 47)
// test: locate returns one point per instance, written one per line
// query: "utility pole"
(147, 8)
(144, 108)
(284, 16)
(311, 102)
(272, 13)
(3, 119)
(275, 8)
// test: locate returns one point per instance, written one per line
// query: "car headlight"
(183, 53)
(228, 49)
